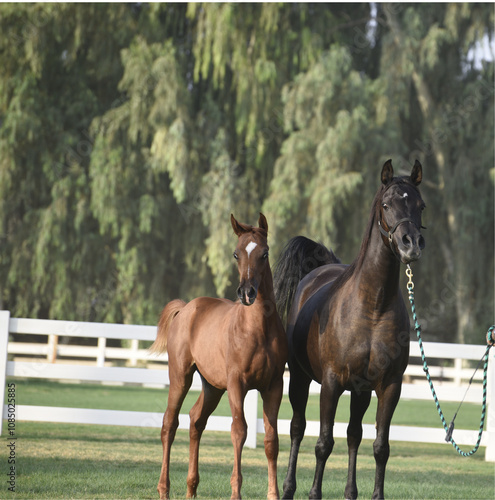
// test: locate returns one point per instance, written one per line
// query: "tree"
(455, 100)
(57, 67)
(123, 151)
(339, 132)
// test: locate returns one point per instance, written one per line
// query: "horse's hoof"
(351, 494)
(288, 494)
(191, 492)
(314, 495)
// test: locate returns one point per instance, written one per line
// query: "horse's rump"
(167, 315)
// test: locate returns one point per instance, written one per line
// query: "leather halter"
(388, 234)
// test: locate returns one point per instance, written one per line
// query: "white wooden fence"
(51, 360)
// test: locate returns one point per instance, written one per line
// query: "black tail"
(299, 257)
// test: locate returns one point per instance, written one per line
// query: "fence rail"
(50, 359)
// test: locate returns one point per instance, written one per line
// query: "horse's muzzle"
(410, 246)
(247, 294)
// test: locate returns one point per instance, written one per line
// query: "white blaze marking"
(249, 248)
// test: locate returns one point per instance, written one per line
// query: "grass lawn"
(85, 461)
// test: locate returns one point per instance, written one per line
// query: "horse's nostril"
(252, 293)
(421, 242)
(406, 240)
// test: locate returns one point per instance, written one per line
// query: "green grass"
(86, 461)
(82, 461)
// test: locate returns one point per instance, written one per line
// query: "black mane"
(308, 255)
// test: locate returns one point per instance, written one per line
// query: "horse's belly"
(366, 366)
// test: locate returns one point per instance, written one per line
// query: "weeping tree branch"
(430, 112)
(425, 99)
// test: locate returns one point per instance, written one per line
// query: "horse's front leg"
(238, 433)
(359, 404)
(387, 401)
(298, 395)
(271, 406)
(329, 398)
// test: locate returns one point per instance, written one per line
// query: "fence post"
(102, 344)
(490, 425)
(52, 348)
(4, 342)
(134, 352)
(251, 416)
(458, 372)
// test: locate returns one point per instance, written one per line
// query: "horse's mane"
(299, 257)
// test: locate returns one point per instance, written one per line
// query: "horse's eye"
(265, 256)
(385, 206)
(236, 257)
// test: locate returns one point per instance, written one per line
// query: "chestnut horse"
(235, 347)
(348, 327)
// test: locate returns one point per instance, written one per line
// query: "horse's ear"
(387, 172)
(417, 173)
(236, 226)
(262, 222)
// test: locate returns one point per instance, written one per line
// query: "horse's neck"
(265, 304)
(265, 290)
(379, 267)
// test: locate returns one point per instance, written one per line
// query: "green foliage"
(130, 132)
(332, 114)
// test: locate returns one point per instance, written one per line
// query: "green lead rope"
(449, 429)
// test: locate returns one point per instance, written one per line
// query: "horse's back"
(312, 283)
(201, 318)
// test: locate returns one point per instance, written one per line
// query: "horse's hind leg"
(176, 394)
(298, 395)
(387, 401)
(271, 405)
(359, 404)
(202, 409)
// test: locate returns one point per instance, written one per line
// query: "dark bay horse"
(348, 327)
(235, 347)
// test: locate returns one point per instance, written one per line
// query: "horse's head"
(251, 254)
(400, 209)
